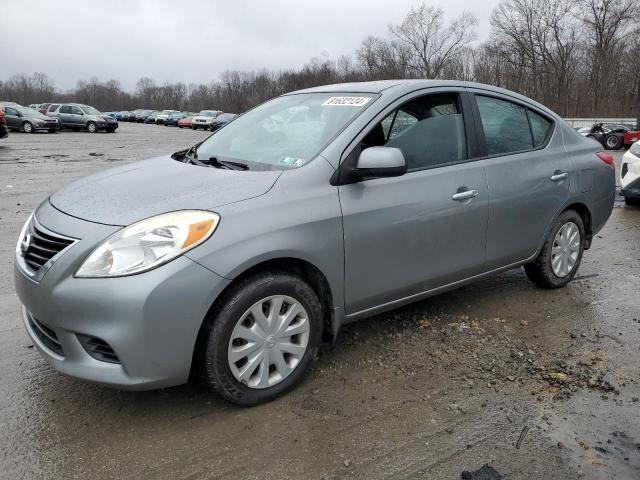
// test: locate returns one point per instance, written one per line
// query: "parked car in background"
(142, 115)
(186, 121)
(175, 117)
(44, 107)
(612, 136)
(273, 240)
(221, 120)
(151, 118)
(28, 120)
(630, 175)
(4, 131)
(164, 114)
(77, 116)
(204, 119)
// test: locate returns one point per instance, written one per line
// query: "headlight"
(149, 243)
(635, 149)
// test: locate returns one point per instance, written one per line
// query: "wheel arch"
(585, 214)
(296, 266)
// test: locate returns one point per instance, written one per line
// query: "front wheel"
(259, 342)
(561, 253)
(27, 127)
(91, 127)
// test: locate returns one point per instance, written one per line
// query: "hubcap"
(269, 341)
(27, 127)
(565, 250)
(611, 142)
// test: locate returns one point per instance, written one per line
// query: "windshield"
(90, 111)
(286, 132)
(207, 113)
(29, 112)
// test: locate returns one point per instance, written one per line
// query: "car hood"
(124, 195)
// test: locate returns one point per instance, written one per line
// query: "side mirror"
(373, 162)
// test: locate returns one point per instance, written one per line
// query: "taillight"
(607, 158)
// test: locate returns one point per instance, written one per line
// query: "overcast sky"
(191, 40)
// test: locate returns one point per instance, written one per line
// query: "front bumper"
(632, 190)
(630, 175)
(150, 321)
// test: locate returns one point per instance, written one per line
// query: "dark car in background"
(77, 116)
(28, 120)
(151, 118)
(142, 115)
(221, 120)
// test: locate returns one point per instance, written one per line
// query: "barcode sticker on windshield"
(347, 101)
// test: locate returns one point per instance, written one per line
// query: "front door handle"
(466, 195)
(558, 176)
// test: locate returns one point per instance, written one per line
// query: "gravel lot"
(538, 384)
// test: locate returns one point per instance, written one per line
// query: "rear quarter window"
(541, 128)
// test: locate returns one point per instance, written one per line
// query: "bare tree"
(431, 44)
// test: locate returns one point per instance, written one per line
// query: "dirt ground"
(538, 384)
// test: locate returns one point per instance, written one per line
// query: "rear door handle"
(466, 195)
(557, 176)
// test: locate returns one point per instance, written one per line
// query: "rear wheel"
(259, 342)
(91, 127)
(27, 127)
(613, 141)
(561, 253)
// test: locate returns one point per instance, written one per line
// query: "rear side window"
(540, 127)
(428, 129)
(505, 125)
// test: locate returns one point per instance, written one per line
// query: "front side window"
(65, 109)
(90, 111)
(286, 132)
(76, 110)
(428, 129)
(505, 125)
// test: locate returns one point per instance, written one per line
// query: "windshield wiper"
(214, 162)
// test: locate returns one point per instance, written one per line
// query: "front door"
(12, 118)
(406, 235)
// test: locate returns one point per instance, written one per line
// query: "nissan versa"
(234, 259)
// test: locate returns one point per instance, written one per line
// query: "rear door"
(410, 234)
(528, 174)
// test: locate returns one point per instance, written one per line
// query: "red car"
(4, 131)
(185, 122)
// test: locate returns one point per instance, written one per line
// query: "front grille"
(625, 169)
(98, 349)
(38, 246)
(47, 336)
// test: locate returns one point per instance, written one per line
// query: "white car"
(204, 119)
(630, 175)
(162, 116)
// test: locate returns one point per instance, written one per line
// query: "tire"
(541, 271)
(613, 141)
(179, 126)
(193, 127)
(232, 315)
(632, 202)
(91, 127)
(27, 127)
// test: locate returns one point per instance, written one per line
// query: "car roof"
(399, 87)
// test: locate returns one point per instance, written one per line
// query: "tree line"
(579, 57)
